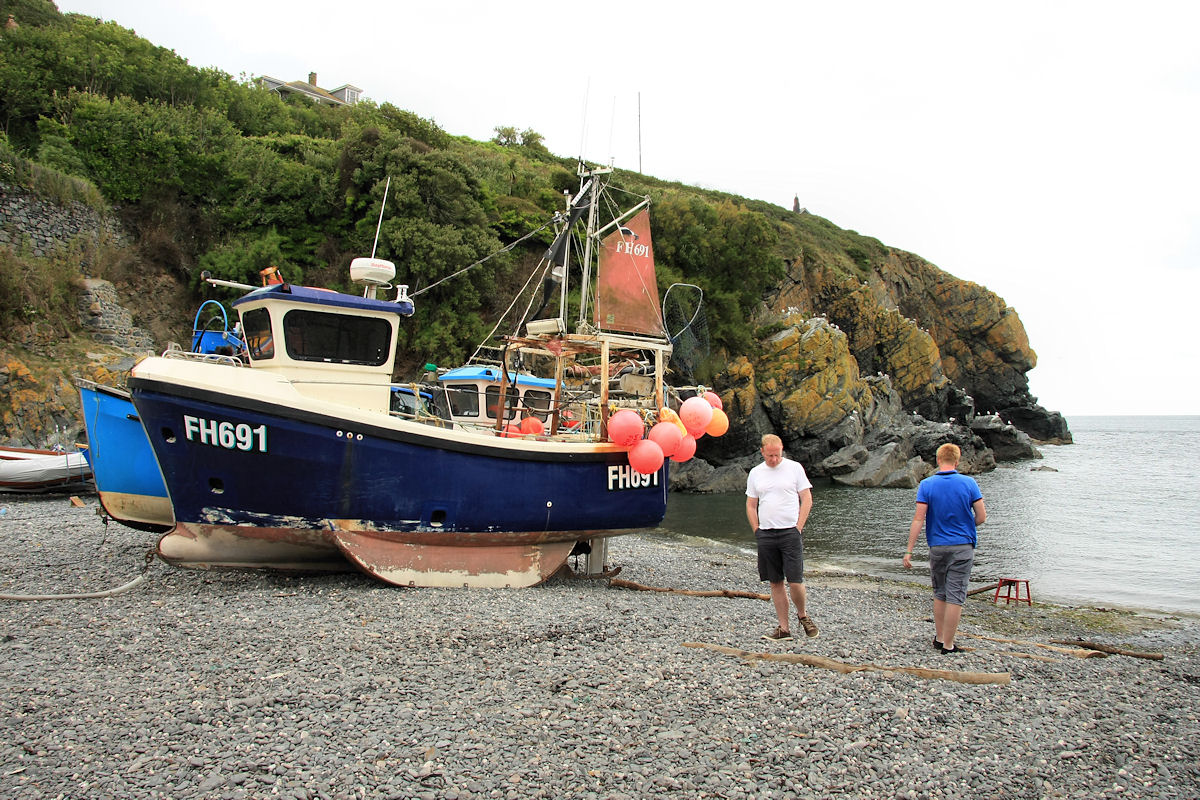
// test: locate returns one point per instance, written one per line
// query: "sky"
(1049, 151)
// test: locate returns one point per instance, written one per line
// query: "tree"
(506, 136)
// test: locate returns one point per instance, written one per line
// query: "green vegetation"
(215, 173)
(46, 181)
(35, 290)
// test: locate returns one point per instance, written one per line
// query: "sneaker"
(778, 635)
(810, 627)
(936, 644)
(949, 651)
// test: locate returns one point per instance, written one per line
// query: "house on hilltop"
(344, 95)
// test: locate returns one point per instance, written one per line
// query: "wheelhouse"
(330, 346)
(472, 395)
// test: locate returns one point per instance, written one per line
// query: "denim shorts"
(950, 569)
(780, 555)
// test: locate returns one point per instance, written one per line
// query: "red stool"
(1007, 585)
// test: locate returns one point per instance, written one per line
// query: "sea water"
(1114, 522)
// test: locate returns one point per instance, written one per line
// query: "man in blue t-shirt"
(950, 508)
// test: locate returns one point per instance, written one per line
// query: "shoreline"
(249, 684)
(919, 580)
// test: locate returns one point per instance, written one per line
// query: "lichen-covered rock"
(40, 408)
(35, 410)
(811, 390)
(983, 344)
(949, 346)
(738, 391)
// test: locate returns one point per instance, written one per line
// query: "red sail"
(626, 286)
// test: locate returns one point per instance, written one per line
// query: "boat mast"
(585, 283)
(565, 267)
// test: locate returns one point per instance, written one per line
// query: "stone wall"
(27, 220)
(102, 314)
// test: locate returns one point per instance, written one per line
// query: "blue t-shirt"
(949, 518)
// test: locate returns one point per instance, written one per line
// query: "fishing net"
(687, 327)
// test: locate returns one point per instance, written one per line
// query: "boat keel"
(491, 566)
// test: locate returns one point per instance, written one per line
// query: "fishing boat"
(30, 470)
(289, 455)
(126, 473)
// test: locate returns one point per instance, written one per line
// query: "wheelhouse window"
(537, 402)
(492, 404)
(336, 338)
(256, 325)
(463, 400)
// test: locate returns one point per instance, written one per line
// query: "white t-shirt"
(778, 492)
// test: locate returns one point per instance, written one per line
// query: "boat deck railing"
(210, 358)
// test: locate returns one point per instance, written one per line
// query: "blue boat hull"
(409, 503)
(127, 478)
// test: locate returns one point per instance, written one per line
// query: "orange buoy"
(696, 413)
(719, 423)
(686, 449)
(667, 436)
(625, 428)
(646, 457)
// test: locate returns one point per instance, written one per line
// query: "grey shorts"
(780, 555)
(950, 570)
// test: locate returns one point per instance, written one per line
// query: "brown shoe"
(810, 627)
(778, 635)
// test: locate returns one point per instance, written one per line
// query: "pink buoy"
(512, 431)
(532, 426)
(625, 428)
(686, 449)
(667, 436)
(714, 400)
(646, 457)
(719, 423)
(696, 414)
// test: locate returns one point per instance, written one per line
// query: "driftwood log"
(1070, 651)
(1031, 656)
(623, 584)
(990, 587)
(1107, 648)
(997, 678)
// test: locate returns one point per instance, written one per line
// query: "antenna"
(583, 125)
(612, 123)
(376, 272)
(382, 206)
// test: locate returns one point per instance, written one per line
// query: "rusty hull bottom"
(286, 549)
(498, 560)
(493, 565)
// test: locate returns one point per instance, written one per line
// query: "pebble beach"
(227, 684)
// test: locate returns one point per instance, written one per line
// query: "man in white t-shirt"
(778, 501)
